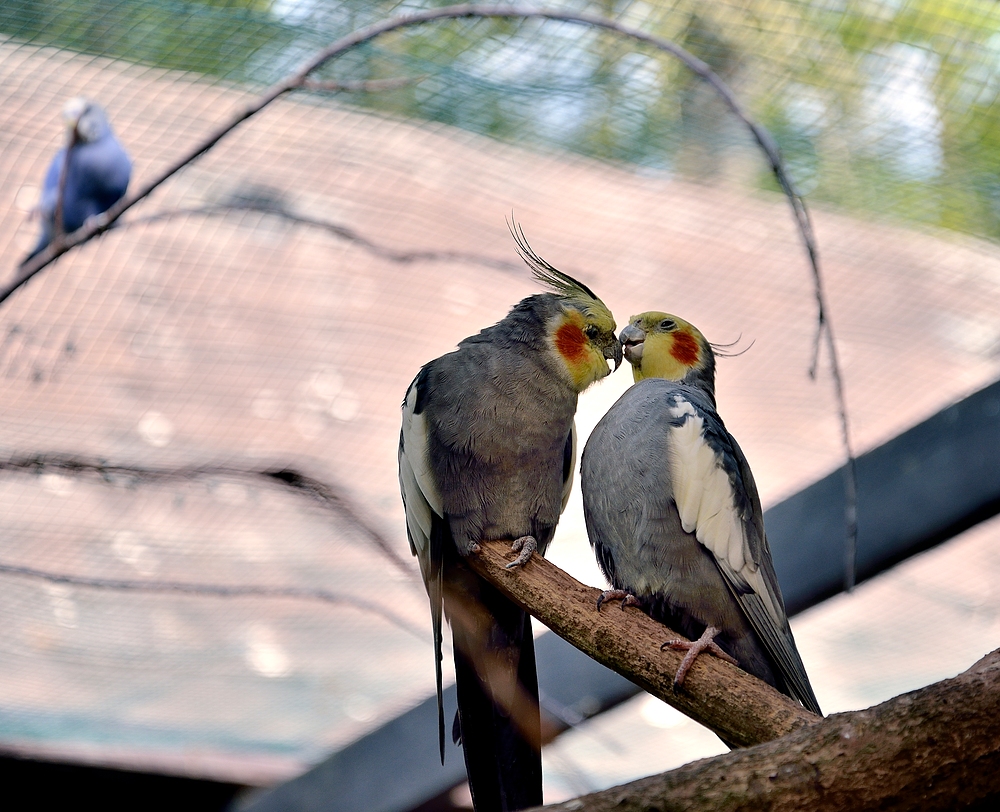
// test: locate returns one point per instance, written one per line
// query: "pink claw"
(704, 643)
(627, 598)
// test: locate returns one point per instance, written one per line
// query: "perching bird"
(97, 173)
(487, 451)
(673, 514)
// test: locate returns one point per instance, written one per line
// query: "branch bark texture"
(740, 708)
(933, 749)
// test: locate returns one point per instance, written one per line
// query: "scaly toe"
(524, 547)
(704, 643)
(627, 598)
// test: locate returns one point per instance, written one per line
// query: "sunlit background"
(267, 307)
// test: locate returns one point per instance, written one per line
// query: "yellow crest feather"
(560, 283)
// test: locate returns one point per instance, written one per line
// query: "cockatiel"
(673, 514)
(487, 451)
(97, 173)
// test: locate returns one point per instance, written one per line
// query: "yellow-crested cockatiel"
(487, 451)
(673, 514)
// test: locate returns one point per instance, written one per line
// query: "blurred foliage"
(213, 37)
(884, 106)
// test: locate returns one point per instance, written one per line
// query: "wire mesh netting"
(209, 393)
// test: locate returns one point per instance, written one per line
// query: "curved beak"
(613, 351)
(632, 338)
(72, 111)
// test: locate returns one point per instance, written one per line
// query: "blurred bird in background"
(487, 451)
(673, 514)
(97, 171)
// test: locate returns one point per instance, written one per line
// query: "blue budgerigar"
(97, 173)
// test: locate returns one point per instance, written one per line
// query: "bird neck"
(667, 366)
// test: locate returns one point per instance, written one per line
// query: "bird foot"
(704, 643)
(627, 598)
(524, 547)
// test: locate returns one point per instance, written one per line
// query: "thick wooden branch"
(740, 708)
(933, 749)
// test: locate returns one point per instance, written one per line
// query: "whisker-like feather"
(721, 350)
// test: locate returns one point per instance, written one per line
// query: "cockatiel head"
(659, 345)
(579, 326)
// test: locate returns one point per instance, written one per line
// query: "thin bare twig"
(345, 232)
(326, 494)
(217, 591)
(299, 78)
(364, 86)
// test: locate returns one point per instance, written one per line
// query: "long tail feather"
(440, 536)
(498, 705)
(436, 600)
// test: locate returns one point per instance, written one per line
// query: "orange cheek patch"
(571, 342)
(685, 349)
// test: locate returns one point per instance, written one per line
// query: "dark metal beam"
(921, 488)
(397, 767)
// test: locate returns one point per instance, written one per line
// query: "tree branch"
(933, 749)
(363, 86)
(327, 494)
(342, 231)
(217, 591)
(740, 708)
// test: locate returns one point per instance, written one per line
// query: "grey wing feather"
(776, 636)
(741, 550)
(425, 524)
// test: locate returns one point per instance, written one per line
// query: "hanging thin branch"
(299, 79)
(217, 591)
(328, 495)
(363, 86)
(342, 231)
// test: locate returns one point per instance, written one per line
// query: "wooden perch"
(738, 707)
(933, 749)
(936, 748)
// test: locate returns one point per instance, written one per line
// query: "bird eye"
(669, 325)
(592, 332)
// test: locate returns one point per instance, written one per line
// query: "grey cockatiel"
(487, 451)
(97, 173)
(673, 513)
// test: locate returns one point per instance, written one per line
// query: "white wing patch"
(420, 494)
(706, 504)
(681, 407)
